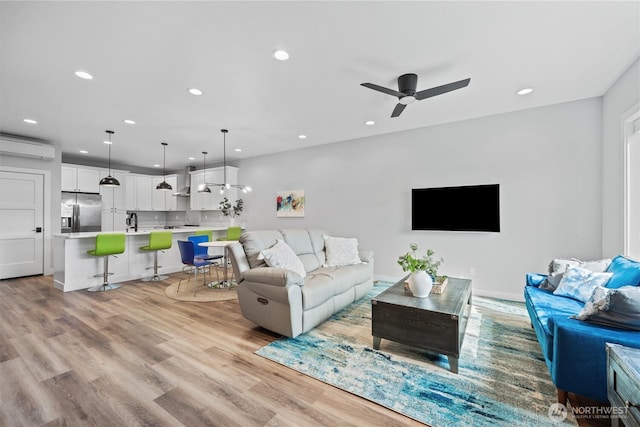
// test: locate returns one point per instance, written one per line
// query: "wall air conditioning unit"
(24, 147)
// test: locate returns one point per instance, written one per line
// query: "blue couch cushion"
(626, 272)
(543, 306)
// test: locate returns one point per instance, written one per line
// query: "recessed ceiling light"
(369, 123)
(130, 122)
(84, 75)
(192, 158)
(280, 55)
(302, 136)
(194, 91)
(238, 149)
(84, 151)
(30, 121)
(156, 166)
(525, 91)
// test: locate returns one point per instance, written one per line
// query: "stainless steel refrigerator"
(81, 212)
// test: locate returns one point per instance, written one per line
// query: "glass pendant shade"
(164, 185)
(109, 181)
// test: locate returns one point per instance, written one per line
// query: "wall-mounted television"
(466, 208)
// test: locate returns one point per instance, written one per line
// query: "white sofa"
(281, 300)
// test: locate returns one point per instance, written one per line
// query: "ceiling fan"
(406, 92)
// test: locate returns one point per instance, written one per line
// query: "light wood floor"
(135, 357)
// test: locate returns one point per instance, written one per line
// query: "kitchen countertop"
(140, 232)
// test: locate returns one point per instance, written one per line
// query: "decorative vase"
(232, 220)
(420, 284)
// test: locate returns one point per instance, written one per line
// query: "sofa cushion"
(543, 306)
(281, 255)
(618, 308)
(579, 283)
(308, 245)
(626, 272)
(341, 251)
(318, 288)
(255, 241)
(347, 277)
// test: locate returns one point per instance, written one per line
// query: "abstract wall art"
(290, 203)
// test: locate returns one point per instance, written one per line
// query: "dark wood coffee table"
(436, 324)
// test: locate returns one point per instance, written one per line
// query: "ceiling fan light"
(406, 100)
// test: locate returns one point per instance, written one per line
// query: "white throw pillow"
(579, 283)
(281, 255)
(341, 251)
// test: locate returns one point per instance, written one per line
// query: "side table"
(623, 384)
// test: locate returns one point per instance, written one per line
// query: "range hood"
(185, 189)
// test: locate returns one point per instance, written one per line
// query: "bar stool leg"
(156, 277)
(106, 286)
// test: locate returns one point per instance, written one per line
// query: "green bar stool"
(107, 244)
(233, 233)
(158, 240)
(208, 233)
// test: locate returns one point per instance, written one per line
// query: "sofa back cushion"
(626, 272)
(253, 242)
(308, 245)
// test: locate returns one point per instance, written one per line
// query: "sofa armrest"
(535, 279)
(365, 256)
(579, 357)
(273, 276)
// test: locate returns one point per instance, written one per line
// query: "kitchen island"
(74, 269)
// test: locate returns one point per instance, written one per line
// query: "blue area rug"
(502, 377)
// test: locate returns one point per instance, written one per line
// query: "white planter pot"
(420, 284)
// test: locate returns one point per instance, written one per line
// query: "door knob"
(37, 230)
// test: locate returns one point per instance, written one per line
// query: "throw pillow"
(551, 282)
(281, 255)
(341, 251)
(619, 308)
(559, 265)
(598, 266)
(626, 272)
(579, 283)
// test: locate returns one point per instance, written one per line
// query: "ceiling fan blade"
(398, 110)
(439, 90)
(383, 89)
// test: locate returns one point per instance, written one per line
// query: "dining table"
(222, 244)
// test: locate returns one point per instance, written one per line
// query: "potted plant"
(231, 210)
(424, 271)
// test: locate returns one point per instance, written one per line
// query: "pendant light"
(225, 185)
(109, 181)
(164, 185)
(204, 188)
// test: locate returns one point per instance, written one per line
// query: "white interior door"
(632, 193)
(21, 224)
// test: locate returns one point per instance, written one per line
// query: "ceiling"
(145, 55)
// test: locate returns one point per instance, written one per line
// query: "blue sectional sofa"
(574, 350)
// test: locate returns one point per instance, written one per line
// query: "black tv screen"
(467, 208)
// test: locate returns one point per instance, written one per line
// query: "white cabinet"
(138, 194)
(113, 202)
(114, 197)
(114, 220)
(162, 200)
(211, 201)
(80, 179)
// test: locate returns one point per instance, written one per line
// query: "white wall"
(546, 160)
(619, 99)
